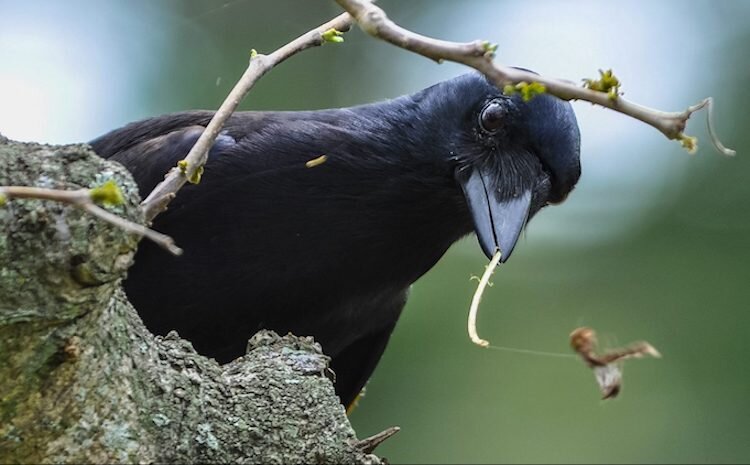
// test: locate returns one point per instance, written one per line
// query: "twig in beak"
(483, 281)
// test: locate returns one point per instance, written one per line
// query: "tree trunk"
(82, 380)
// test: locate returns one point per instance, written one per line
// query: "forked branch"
(191, 167)
(479, 55)
(86, 199)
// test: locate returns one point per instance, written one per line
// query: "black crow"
(331, 250)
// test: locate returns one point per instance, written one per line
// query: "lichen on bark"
(82, 380)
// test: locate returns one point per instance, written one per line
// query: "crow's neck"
(408, 199)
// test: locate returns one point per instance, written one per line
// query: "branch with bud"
(87, 199)
(479, 55)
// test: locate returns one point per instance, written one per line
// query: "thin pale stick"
(163, 193)
(477, 298)
(82, 198)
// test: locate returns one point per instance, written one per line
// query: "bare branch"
(164, 192)
(369, 444)
(82, 198)
(479, 55)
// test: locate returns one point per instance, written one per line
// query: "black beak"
(498, 218)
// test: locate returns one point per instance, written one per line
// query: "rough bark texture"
(82, 380)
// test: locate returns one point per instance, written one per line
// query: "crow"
(332, 250)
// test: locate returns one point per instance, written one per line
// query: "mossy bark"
(82, 380)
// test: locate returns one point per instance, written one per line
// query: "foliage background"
(651, 245)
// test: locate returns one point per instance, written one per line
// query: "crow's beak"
(498, 218)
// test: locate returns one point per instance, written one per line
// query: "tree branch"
(479, 55)
(192, 165)
(83, 198)
(369, 444)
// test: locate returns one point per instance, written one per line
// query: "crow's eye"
(492, 116)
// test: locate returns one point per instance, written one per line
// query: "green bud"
(689, 143)
(527, 91)
(607, 82)
(253, 53)
(489, 48)
(332, 35)
(108, 194)
(196, 177)
(3, 199)
(509, 89)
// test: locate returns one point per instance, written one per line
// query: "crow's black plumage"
(331, 251)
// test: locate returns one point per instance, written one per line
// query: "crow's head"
(509, 157)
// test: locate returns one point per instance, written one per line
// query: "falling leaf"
(607, 366)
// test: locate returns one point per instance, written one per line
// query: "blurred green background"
(651, 245)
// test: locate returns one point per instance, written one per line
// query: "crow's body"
(328, 251)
